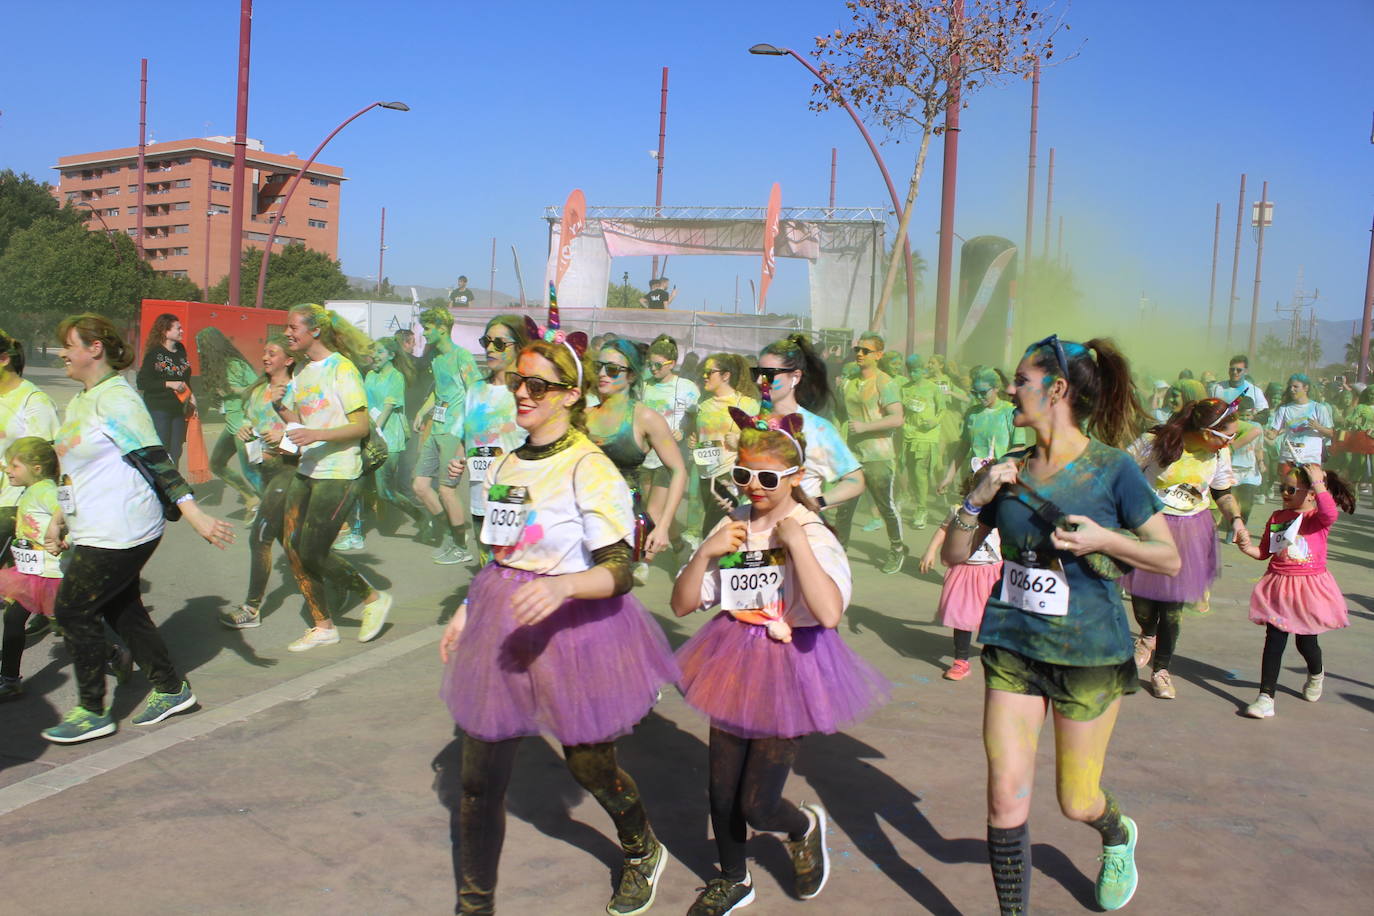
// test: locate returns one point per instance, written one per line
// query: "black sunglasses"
(864, 351)
(1059, 354)
(612, 370)
(500, 343)
(536, 386)
(710, 371)
(768, 374)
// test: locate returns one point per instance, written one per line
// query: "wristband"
(188, 497)
(970, 509)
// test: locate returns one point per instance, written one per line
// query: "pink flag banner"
(574, 221)
(770, 236)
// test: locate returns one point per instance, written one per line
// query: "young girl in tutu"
(967, 585)
(30, 585)
(770, 668)
(1297, 594)
(549, 640)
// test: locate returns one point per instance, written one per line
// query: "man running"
(1239, 384)
(873, 405)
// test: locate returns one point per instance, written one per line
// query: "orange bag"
(197, 458)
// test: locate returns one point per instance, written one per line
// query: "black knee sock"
(460, 533)
(1009, 854)
(963, 640)
(1110, 825)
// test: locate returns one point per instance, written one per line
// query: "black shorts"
(1080, 694)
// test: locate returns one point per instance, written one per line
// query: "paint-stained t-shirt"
(671, 399)
(454, 373)
(25, 410)
(324, 393)
(828, 458)
(384, 388)
(865, 401)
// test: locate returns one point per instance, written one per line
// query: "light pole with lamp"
(109, 233)
(768, 50)
(291, 189)
(209, 212)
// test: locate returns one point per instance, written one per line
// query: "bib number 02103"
(1036, 591)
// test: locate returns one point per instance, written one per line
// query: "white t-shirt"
(115, 507)
(324, 393)
(1246, 388)
(24, 411)
(489, 432)
(824, 545)
(828, 457)
(1298, 443)
(671, 399)
(1185, 487)
(575, 501)
(36, 508)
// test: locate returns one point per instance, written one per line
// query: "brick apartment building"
(188, 186)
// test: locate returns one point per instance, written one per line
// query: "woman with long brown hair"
(164, 375)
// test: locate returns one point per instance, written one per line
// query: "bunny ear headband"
(789, 425)
(576, 342)
(1226, 414)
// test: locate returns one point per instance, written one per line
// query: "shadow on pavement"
(908, 638)
(194, 635)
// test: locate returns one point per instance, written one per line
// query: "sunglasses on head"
(769, 480)
(1059, 355)
(610, 370)
(536, 387)
(500, 344)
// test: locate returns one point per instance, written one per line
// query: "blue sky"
(1165, 104)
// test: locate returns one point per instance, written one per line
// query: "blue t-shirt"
(1106, 485)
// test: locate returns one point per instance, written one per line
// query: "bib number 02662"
(1036, 591)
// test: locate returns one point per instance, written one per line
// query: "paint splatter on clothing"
(25, 410)
(828, 458)
(324, 393)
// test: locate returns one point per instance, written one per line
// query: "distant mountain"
(1332, 335)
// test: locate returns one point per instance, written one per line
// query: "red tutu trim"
(965, 594)
(1304, 605)
(35, 594)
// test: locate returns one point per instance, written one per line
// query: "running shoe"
(162, 705)
(11, 688)
(722, 896)
(641, 573)
(374, 616)
(1117, 880)
(315, 636)
(445, 545)
(243, 617)
(120, 664)
(1205, 605)
(896, 557)
(1162, 685)
(1144, 650)
(1312, 687)
(957, 671)
(1262, 708)
(349, 541)
(873, 525)
(81, 725)
(250, 515)
(453, 556)
(919, 520)
(639, 881)
(810, 857)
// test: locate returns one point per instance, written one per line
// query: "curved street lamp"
(291, 189)
(767, 50)
(109, 233)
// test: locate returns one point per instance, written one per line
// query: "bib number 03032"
(505, 518)
(1036, 591)
(751, 580)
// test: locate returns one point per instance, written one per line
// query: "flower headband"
(789, 425)
(576, 342)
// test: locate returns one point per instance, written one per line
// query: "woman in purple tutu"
(549, 640)
(1298, 594)
(1188, 462)
(770, 668)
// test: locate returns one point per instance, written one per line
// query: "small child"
(1297, 594)
(30, 585)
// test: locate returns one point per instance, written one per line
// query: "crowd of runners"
(558, 468)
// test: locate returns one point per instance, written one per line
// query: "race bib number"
(1289, 537)
(1035, 591)
(252, 449)
(706, 456)
(27, 558)
(440, 413)
(505, 518)
(479, 459)
(66, 496)
(1301, 450)
(1181, 497)
(751, 580)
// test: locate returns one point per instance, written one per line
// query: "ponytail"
(1339, 488)
(796, 353)
(90, 328)
(1193, 417)
(1101, 393)
(337, 333)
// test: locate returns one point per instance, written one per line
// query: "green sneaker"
(81, 725)
(896, 557)
(1116, 882)
(638, 882)
(722, 896)
(810, 857)
(162, 705)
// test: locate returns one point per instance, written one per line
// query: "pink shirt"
(1304, 555)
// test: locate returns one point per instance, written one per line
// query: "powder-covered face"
(500, 360)
(433, 333)
(711, 377)
(299, 335)
(660, 367)
(605, 385)
(784, 382)
(532, 413)
(1297, 389)
(1030, 392)
(381, 357)
(760, 498)
(1214, 440)
(274, 359)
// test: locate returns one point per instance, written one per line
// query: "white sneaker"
(1262, 708)
(444, 547)
(453, 556)
(1312, 688)
(315, 636)
(374, 616)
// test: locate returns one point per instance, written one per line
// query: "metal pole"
(1235, 265)
(519, 278)
(1259, 263)
(662, 141)
(142, 147)
(1049, 206)
(1059, 248)
(951, 163)
(1311, 335)
(1363, 371)
(208, 213)
(1212, 294)
(491, 284)
(1030, 170)
(381, 252)
(834, 158)
(240, 155)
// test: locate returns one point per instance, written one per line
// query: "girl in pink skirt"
(965, 592)
(1297, 594)
(770, 668)
(30, 585)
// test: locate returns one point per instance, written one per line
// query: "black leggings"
(315, 509)
(746, 782)
(478, 825)
(267, 527)
(963, 641)
(12, 642)
(225, 451)
(1162, 620)
(1275, 641)
(102, 585)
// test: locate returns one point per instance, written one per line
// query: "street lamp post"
(291, 189)
(109, 233)
(768, 50)
(208, 214)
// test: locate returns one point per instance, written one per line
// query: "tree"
(24, 200)
(295, 274)
(624, 296)
(905, 61)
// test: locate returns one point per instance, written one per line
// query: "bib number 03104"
(1036, 591)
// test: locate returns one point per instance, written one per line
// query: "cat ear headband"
(576, 342)
(789, 425)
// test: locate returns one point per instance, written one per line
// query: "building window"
(319, 182)
(316, 202)
(177, 273)
(112, 191)
(181, 205)
(132, 230)
(218, 208)
(179, 252)
(113, 211)
(72, 174)
(219, 186)
(182, 183)
(317, 224)
(181, 230)
(72, 195)
(87, 174)
(133, 189)
(221, 163)
(255, 236)
(184, 160)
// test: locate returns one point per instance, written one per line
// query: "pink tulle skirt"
(756, 687)
(965, 594)
(587, 673)
(1305, 605)
(1196, 538)
(35, 594)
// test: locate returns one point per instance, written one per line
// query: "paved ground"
(306, 783)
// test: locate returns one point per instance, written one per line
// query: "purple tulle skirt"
(965, 594)
(585, 674)
(756, 687)
(1196, 538)
(35, 594)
